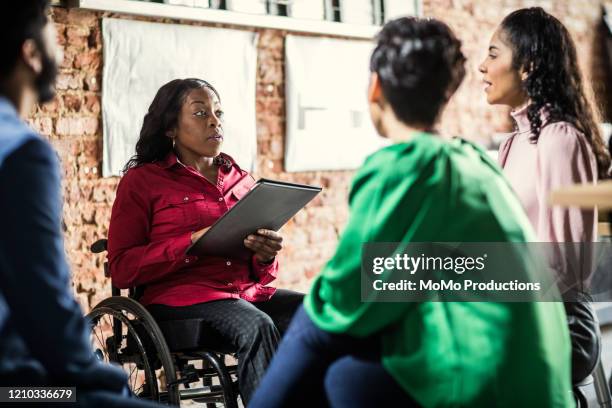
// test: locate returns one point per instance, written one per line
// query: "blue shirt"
(43, 337)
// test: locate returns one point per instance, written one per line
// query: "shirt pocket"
(238, 193)
(179, 212)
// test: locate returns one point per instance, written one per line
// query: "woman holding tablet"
(176, 186)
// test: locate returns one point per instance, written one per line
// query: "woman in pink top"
(532, 67)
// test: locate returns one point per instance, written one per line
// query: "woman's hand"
(265, 243)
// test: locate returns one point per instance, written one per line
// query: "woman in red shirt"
(176, 186)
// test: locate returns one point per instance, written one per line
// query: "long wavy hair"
(153, 143)
(542, 46)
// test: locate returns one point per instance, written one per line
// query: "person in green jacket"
(343, 352)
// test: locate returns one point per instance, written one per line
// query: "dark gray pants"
(584, 334)
(252, 330)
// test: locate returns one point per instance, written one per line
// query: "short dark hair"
(19, 21)
(420, 65)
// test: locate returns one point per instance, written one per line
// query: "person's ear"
(525, 71)
(32, 56)
(374, 89)
(171, 133)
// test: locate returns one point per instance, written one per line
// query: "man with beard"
(44, 340)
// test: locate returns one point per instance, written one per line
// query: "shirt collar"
(169, 161)
(522, 120)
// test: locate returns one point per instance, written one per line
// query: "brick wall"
(72, 122)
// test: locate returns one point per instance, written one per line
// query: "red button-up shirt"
(158, 206)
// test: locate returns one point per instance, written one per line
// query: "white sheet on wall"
(139, 57)
(401, 8)
(328, 122)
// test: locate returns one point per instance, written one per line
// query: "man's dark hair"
(20, 20)
(420, 65)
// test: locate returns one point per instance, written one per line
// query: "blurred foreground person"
(342, 352)
(44, 340)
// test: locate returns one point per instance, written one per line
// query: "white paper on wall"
(307, 9)
(357, 12)
(140, 57)
(328, 122)
(401, 8)
(247, 6)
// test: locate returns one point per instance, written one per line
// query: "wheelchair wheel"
(124, 333)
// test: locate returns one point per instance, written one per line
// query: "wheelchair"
(160, 359)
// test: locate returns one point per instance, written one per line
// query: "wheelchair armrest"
(99, 246)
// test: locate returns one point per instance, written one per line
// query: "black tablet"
(268, 205)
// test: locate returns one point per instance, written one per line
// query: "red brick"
(61, 33)
(276, 149)
(72, 102)
(101, 195)
(92, 83)
(59, 15)
(69, 55)
(76, 36)
(92, 103)
(91, 125)
(88, 213)
(82, 18)
(68, 81)
(89, 60)
(78, 126)
(271, 72)
(270, 40)
(51, 106)
(276, 128)
(43, 125)
(95, 38)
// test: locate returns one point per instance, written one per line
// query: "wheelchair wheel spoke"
(140, 389)
(133, 377)
(101, 346)
(126, 334)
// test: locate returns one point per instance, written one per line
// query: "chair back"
(100, 246)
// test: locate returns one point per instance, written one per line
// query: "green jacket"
(444, 354)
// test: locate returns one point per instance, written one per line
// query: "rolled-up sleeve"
(265, 273)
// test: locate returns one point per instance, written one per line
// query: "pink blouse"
(561, 157)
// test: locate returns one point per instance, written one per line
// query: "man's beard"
(45, 81)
